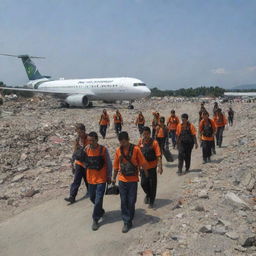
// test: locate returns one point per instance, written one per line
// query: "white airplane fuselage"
(109, 89)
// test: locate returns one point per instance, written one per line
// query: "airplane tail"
(30, 67)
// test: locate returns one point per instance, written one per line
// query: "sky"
(168, 44)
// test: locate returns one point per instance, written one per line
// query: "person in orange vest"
(201, 111)
(162, 134)
(104, 123)
(99, 172)
(152, 153)
(172, 124)
(207, 130)
(78, 164)
(140, 122)
(127, 162)
(186, 139)
(155, 123)
(220, 122)
(118, 122)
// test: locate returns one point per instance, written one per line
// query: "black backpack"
(128, 168)
(186, 136)
(148, 151)
(208, 130)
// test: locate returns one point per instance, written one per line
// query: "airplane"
(81, 92)
(240, 94)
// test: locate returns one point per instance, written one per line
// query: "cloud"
(251, 68)
(219, 71)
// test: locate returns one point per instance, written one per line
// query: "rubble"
(212, 213)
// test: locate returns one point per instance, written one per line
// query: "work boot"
(151, 205)
(209, 160)
(214, 151)
(204, 161)
(146, 200)
(95, 225)
(187, 170)
(70, 199)
(126, 228)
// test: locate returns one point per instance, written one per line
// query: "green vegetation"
(190, 92)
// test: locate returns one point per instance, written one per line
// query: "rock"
(236, 201)
(147, 253)
(219, 230)
(22, 168)
(167, 253)
(224, 222)
(10, 201)
(203, 194)
(232, 235)
(199, 208)
(240, 248)
(18, 178)
(31, 193)
(206, 229)
(247, 239)
(180, 215)
(4, 197)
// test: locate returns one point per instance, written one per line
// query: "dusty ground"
(35, 145)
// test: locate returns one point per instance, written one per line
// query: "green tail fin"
(30, 68)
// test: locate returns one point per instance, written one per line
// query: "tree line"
(190, 92)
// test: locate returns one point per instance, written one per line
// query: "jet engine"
(78, 100)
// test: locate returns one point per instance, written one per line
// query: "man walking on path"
(186, 139)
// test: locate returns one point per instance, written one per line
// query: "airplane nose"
(146, 91)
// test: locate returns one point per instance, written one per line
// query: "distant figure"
(215, 108)
(186, 139)
(104, 123)
(118, 122)
(155, 123)
(172, 124)
(231, 116)
(140, 122)
(207, 130)
(201, 111)
(220, 122)
(162, 134)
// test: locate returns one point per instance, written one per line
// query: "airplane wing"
(49, 91)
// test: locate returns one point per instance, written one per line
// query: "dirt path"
(53, 228)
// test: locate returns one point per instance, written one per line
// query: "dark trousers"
(219, 135)
(172, 135)
(80, 173)
(128, 195)
(118, 128)
(140, 127)
(230, 120)
(161, 143)
(149, 184)
(153, 133)
(185, 151)
(103, 130)
(206, 149)
(97, 192)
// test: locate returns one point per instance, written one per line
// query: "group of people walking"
(92, 162)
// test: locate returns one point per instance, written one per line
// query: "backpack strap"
(130, 152)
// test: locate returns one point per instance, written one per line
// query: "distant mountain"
(245, 87)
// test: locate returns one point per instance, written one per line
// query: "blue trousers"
(128, 195)
(97, 192)
(172, 135)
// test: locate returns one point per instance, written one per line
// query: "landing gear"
(130, 106)
(64, 104)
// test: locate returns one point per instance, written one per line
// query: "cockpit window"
(139, 84)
